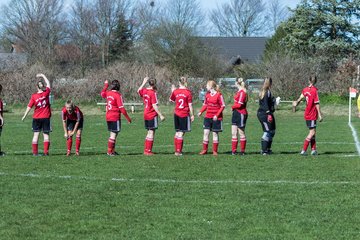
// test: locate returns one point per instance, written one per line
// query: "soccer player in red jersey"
(73, 122)
(42, 114)
(214, 106)
(151, 112)
(1, 120)
(239, 117)
(114, 108)
(183, 113)
(311, 114)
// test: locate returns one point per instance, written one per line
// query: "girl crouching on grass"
(73, 122)
(214, 106)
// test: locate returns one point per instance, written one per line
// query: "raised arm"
(103, 91)
(40, 75)
(146, 79)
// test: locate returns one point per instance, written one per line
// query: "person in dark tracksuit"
(265, 115)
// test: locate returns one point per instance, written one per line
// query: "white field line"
(356, 139)
(177, 181)
(119, 145)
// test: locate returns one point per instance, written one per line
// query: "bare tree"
(185, 14)
(108, 13)
(239, 18)
(82, 32)
(277, 14)
(36, 25)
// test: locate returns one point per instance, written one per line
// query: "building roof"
(249, 49)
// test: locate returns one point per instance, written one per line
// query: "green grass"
(283, 196)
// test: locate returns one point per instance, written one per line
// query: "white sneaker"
(303, 153)
(314, 152)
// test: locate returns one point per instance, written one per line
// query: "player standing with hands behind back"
(311, 114)
(151, 112)
(114, 108)
(42, 114)
(184, 112)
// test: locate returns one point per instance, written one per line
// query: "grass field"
(131, 196)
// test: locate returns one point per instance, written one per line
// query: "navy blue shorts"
(215, 126)
(70, 124)
(182, 124)
(151, 124)
(238, 119)
(41, 124)
(311, 124)
(114, 126)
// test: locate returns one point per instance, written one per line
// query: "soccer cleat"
(269, 151)
(116, 153)
(242, 153)
(178, 154)
(68, 153)
(303, 153)
(2, 154)
(314, 152)
(203, 152)
(215, 153)
(149, 153)
(77, 153)
(111, 154)
(45, 154)
(233, 153)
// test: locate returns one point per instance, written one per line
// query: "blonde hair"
(213, 85)
(266, 86)
(183, 81)
(240, 81)
(71, 103)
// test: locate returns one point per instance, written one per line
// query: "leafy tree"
(325, 29)
(121, 41)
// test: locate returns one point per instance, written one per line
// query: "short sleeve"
(172, 97)
(31, 102)
(141, 92)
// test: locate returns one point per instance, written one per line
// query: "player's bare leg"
(69, 143)
(310, 139)
(234, 139)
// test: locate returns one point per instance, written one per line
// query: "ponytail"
(152, 83)
(183, 81)
(214, 85)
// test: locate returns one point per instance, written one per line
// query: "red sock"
(313, 143)
(175, 143)
(205, 145)
(111, 145)
(46, 147)
(69, 144)
(180, 143)
(215, 146)
(306, 144)
(242, 144)
(146, 145)
(78, 143)
(35, 148)
(149, 144)
(234, 142)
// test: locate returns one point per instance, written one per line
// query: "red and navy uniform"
(239, 118)
(214, 105)
(312, 99)
(76, 115)
(182, 98)
(41, 101)
(41, 117)
(311, 113)
(149, 98)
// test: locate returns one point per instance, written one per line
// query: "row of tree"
(94, 33)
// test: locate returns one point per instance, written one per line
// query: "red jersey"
(182, 98)
(240, 100)
(214, 105)
(149, 97)
(76, 115)
(41, 101)
(114, 103)
(312, 99)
